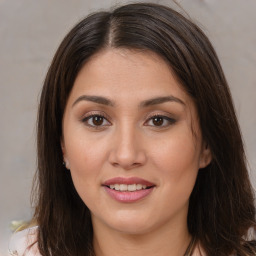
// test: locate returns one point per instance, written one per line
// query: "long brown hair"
(221, 206)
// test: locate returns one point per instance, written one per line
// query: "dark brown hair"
(221, 206)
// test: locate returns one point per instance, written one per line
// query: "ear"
(65, 158)
(205, 157)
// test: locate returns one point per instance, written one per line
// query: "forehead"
(127, 73)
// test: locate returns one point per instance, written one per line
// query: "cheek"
(83, 148)
(85, 170)
(87, 155)
(177, 156)
(177, 165)
(85, 158)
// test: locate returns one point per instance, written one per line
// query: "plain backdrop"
(30, 32)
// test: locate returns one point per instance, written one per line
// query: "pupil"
(97, 120)
(158, 121)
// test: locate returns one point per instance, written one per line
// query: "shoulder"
(198, 250)
(251, 234)
(24, 243)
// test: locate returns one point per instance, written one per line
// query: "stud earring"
(66, 164)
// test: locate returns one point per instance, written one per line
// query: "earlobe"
(66, 163)
(65, 159)
(206, 157)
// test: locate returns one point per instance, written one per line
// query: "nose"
(127, 149)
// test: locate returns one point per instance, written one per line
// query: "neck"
(164, 242)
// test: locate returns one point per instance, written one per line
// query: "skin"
(128, 143)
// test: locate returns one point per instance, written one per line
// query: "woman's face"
(132, 142)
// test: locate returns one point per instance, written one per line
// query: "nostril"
(126, 166)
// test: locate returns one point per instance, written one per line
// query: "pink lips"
(128, 196)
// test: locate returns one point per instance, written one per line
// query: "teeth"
(131, 187)
(124, 187)
(117, 187)
(138, 186)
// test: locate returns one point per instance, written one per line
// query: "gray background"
(30, 32)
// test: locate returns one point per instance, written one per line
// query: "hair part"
(221, 206)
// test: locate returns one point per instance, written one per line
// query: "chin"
(129, 225)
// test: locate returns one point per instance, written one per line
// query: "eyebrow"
(96, 99)
(160, 100)
(146, 103)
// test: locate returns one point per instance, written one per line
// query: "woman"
(139, 148)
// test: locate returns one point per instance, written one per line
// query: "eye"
(96, 121)
(160, 121)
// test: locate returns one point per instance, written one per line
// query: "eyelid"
(91, 114)
(167, 117)
(95, 113)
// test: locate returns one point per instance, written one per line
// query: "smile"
(128, 190)
(125, 187)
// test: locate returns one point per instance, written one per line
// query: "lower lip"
(128, 197)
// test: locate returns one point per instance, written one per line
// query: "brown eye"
(97, 120)
(158, 121)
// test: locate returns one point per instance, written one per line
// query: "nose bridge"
(127, 143)
(127, 147)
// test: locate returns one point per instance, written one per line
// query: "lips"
(127, 181)
(128, 189)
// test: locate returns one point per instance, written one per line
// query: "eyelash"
(91, 116)
(104, 118)
(164, 118)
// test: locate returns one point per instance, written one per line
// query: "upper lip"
(127, 181)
